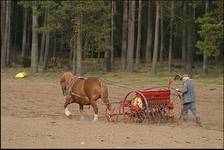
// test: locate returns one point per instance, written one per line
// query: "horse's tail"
(104, 92)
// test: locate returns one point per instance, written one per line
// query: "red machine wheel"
(133, 108)
(175, 108)
(110, 115)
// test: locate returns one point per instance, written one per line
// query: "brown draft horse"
(83, 91)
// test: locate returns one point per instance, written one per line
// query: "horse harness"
(69, 91)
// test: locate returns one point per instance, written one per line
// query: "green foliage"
(95, 19)
(211, 31)
(34, 5)
(26, 4)
(95, 23)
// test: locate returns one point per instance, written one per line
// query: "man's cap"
(185, 75)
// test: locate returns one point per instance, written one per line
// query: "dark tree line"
(132, 32)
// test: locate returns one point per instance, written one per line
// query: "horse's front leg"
(81, 112)
(67, 112)
(95, 108)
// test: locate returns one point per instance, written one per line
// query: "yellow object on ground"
(20, 75)
(138, 102)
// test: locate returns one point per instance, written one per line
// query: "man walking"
(188, 97)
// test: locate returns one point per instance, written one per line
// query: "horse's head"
(178, 76)
(65, 79)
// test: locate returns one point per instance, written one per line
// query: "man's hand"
(179, 93)
(178, 90)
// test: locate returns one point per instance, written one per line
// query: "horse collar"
(72, 83)
(82, 78)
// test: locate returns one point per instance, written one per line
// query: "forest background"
(155, 37)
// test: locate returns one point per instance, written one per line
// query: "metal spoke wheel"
(110, 115)
(133, 108)
(176, 100)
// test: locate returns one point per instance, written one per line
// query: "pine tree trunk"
(193, 35)
(74, 56)
(107, 54)
(54, 45)
(189, 47)
(171, 37)
(184, 33)
(34, 49)
(107, 61)
(4, 22)
(8, 46)
(131, 31)
(79, 46)
(71, 53)
(98, 56)
(46, 52)
(24, 32)
(161, 35)
(51, 41)
(6, 33)
(43, 40)
(29, 32)
(15, 25)
(124, 35)
(148, 50)
(92, 54)
(137, 60)
(61, 45)
(205, 57)
(156, 41)
(205, 63)
(113, 8)
(189, 41)
(85, 48)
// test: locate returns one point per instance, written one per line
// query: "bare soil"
(32, 116)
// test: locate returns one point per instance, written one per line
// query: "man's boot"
(198, 121)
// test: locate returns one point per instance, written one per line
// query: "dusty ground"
(32, 116)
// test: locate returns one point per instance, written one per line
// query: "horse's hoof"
(67, 112)
(95, 117)
(81, 118)
(69, 117)
(95, 120)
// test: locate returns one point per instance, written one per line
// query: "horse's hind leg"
(81, 112)
(95, 108)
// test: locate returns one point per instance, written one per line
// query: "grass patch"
(51, 76)
(141, 75)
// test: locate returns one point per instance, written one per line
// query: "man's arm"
(184, 88)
